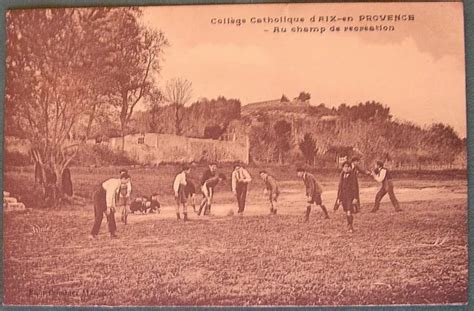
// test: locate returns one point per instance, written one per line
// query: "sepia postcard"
(236, 155)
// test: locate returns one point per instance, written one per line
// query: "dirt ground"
(418, 256)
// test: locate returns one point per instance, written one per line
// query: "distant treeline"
(366, 130)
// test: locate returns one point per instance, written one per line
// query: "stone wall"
(154, 148)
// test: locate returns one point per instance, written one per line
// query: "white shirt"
(111, 187)
(381, 175)
(240, 175)
(179, 180)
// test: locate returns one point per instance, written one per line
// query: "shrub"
(16, 158)
(101, 155)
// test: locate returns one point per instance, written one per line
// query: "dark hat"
(380, 163)
(346, 163)
(124, 176)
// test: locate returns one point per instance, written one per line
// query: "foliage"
(65, 67)
(16, 158)
(304, 96)
(308, 148)
(100, 155)
(50, 78)
(365, 129)
(284, 99)
(369, 111)
(282, 138)
(178, 92)
(196, 117)
(213, 132)
(135, 55)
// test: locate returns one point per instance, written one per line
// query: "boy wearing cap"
(313, 192)
(347, 193)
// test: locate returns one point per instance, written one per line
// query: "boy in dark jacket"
(313, 192)
(347, 193)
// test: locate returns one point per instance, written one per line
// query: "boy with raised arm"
(384, 176)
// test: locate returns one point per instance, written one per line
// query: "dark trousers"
(100, 206)
(387, 187)
(241, 192)
(347, 205)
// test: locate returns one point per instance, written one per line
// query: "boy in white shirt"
(240, 180)
(384, 176)
(104, 203)
(179, 188)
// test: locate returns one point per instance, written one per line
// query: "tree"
(178, 93)
(443, 141)
(304, 96)
(284, 99)
(63, 67)
(308, 148)
(134, 61)
(282, 138)
(369, 111)
(50, 83)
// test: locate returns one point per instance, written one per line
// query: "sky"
(417, 69)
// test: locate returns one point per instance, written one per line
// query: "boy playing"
(104, 203)
(208, 193)
(179, 188)
(313, 192)
(240, 179)
(382, 175)
(347, 193)
(271, 188)
(122, 202)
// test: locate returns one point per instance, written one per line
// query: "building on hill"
(294, 105)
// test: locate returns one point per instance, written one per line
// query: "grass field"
(418, 256)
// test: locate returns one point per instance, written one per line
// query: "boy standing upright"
(240, 180)
(313, 192)
(129, 184)
(271, 188)
(356, 168)
(347, 193)
(179, 188)
(384, 176)
(104, 203)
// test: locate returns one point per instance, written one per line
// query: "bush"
(16, 158)
(101, 155)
